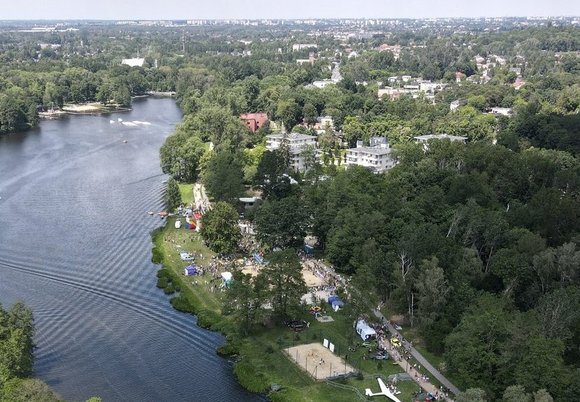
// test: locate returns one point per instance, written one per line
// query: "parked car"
(381, 356)
(297, 325)
(186, 256)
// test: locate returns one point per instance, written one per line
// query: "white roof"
(292, 136)
(137, 62)
(440, 137)
(372, 150)
(248, 199)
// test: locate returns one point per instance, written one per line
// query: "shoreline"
(260, 364)
(92, 108)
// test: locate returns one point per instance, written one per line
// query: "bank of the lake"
(259, 358)
(76, 247)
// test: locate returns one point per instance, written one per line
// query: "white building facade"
(297, 143)
(377, 157)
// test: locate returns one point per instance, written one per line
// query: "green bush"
(249, 378)
(156, 255)
(230, 348)
(163, 273)
(208, 319)
(182, 303)
(162, 282)
(169, 290)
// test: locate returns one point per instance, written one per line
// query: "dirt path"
(200, 199)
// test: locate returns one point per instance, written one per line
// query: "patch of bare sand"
(84, 108)
(318, 361)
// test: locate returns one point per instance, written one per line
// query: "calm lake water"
(75, 247)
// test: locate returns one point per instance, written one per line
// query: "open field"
(186, 191)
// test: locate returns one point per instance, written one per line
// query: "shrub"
(249, 378)
(163, 273)
(230, 348)
(156, 255)
(182, 303)
(206, 318)
(162, 282)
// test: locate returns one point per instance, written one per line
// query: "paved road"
(415, 353)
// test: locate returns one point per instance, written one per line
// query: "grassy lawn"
(186, 191)
(261, 360)
(171, 242)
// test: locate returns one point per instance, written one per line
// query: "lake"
(75, 246)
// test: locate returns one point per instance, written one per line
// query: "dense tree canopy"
(223, 177)
(16, 357)
(172, 195)
(219, 228)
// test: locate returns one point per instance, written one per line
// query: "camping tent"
(185, 256)
(259, 259)
(365, 331)
(190, 270)
(227, 279)
(177, 224)
(335, 302)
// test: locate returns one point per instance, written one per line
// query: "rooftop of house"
(258, 115)
(291, 136)
(444, 136)
(135, 62)
(372, 150)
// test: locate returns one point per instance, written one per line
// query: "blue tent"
(191, 270)
(335, 302)
(259, 259)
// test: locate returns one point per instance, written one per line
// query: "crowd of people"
(400, 350)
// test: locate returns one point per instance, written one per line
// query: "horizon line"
(290, 19)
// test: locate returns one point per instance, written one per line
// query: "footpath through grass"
(260, 360)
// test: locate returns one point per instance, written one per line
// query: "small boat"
(112, 121)
(119, 119)
(124, 141)
(150, 212)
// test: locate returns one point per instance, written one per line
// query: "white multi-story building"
(376, 157)
(301, 46)
(297, 143)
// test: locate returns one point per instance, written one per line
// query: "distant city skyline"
(266, 9)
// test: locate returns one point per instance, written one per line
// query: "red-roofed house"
(254, 120)
(459, 76)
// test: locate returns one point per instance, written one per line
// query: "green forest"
(475, 243)
(16, 357)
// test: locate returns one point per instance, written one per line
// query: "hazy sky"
(227, 9)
